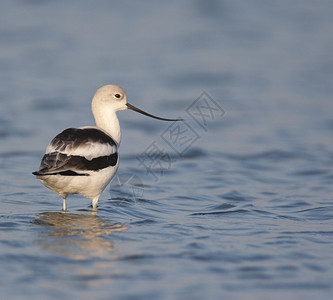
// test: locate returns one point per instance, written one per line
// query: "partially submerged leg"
(94, 202)
(64, 203)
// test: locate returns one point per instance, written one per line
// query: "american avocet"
(83, 160)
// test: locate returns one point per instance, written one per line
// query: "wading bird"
(83, 160)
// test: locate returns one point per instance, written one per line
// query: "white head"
(109, 97)
(107, 101)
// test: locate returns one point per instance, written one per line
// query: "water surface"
(237, 205)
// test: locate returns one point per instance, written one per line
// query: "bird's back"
(78, 150)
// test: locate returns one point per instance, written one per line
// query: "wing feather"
(76, 150)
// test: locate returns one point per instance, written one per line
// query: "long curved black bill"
(130, 106)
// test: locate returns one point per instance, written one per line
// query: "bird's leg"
(64, 203)
(94, 202)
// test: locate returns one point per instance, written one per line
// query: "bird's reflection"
(76, 236)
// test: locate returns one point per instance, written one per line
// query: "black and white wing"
(75, 151)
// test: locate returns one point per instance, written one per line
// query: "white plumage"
(84, 160)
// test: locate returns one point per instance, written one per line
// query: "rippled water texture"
(234, 203)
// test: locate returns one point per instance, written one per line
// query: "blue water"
(235, 203)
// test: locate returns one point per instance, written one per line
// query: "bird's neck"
(109, 122)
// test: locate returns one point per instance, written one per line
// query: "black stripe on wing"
(64, 173)
(56, 163)
(75, 137)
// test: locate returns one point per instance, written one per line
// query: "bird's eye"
(117, 96)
